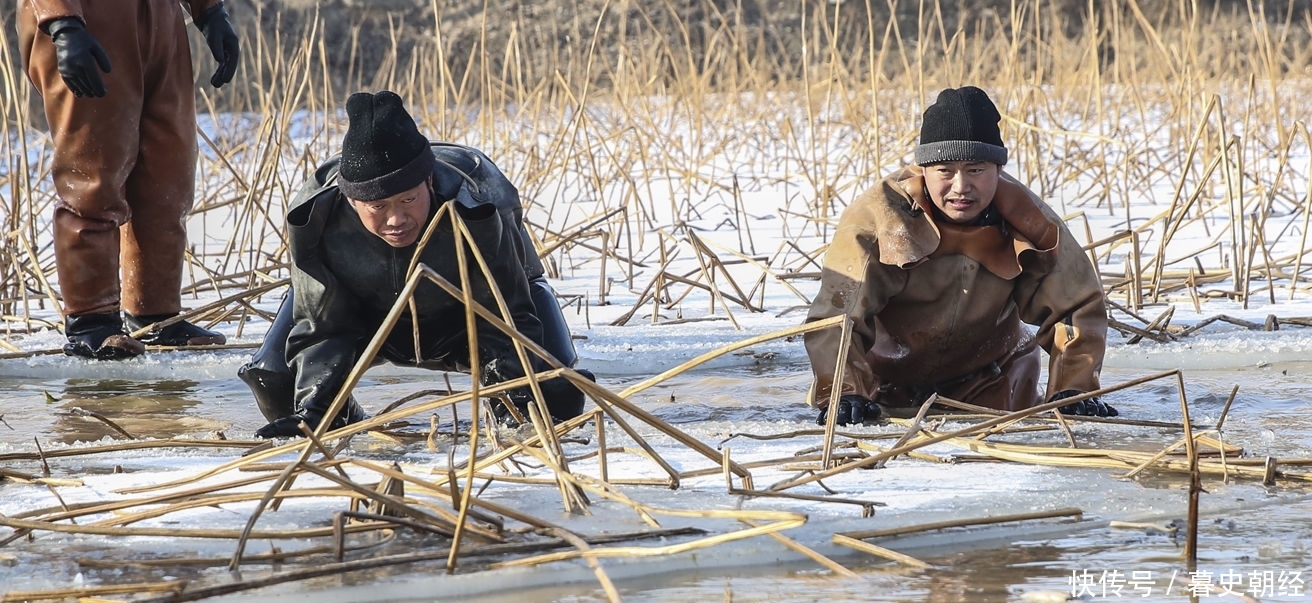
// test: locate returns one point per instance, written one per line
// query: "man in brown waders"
(116, 81)
(938, 266)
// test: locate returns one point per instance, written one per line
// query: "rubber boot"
(267, 373)
(273, 385)
(175, 335)
(289, 426)
(99, 337)
(555, 332)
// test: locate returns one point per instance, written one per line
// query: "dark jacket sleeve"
(493, 187)
(321, 349)
(499, 245)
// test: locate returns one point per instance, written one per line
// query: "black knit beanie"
(383, 153)
(962, 125)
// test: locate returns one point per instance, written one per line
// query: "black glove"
(564, 400)
(1091, 407)
(852, 409)
(222, 40)
(80, 56)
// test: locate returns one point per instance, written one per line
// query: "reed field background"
(677, 159)
(623, 122)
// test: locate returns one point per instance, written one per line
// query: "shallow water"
(1258, 540)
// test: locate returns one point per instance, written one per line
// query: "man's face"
(398, 219)
(962, 190)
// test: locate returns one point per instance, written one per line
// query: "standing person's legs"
(267, 373)
(160, 190)
(95, 147)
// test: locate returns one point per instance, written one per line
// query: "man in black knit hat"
(354, 231)
(938, 266)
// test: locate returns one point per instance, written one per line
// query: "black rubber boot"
(272, 390)
(555, 332)
(99, 337)
(178, 334)
(267, 373)
(273, 385)
(289, 426)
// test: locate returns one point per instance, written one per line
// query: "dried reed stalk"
(870, 461)
(880, 551)
(961, 523)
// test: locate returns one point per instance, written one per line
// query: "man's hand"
(1091, 407)
(80, 57)
(852, 409)
(222, 40)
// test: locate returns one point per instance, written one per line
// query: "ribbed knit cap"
(383, 153)
(961, 125)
